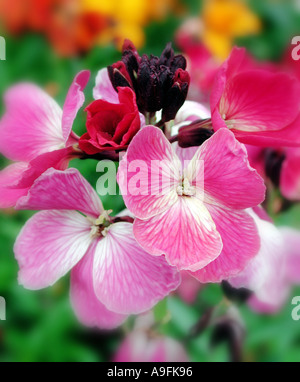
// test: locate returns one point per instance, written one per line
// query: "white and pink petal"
(127, 279)
(49, 245)
(88, 309)
(186, 234)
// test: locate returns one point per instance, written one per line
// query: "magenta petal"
(128, 280)
(8, 176)
(49, 245)
(89, 310)
(31, 124)
(67, 190)
(241, 243)
(74, 101)
(235, 61)
(288, 136)
(186, 234)
(259, 100)
(149, 173)
(228, 177)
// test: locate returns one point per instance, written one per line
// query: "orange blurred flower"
(75, 26)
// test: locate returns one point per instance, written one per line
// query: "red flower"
(111, 126)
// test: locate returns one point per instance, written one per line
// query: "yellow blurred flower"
(224, 20)
(128, 17)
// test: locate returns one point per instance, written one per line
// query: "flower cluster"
(192, 189)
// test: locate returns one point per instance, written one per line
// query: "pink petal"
(186, 234)
(49, 245)
(260, 268)
(157, 169)
(228, 177)
(259, 100)
(185, 155)
(292, 250)
(9, 196)
(288, 136)
(241, 243)
(232, 65)
(73, 102)
(104, 89)
(266, 272)
(127, 279)
(89, 310)
(58, 159)
(31, 125)
(67, 190)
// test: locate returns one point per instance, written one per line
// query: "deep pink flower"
(259, 106)
(280, 165)
(110, 271)
(274, 270)
(290, 174)
(192, 219)
(111, 126)
(37, 134)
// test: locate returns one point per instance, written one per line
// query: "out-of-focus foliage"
(41, 326)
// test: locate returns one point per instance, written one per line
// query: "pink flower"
(141, 345)
(112, 276)
(260, 107)
(272, 272)
(192, 216)
(37, 134)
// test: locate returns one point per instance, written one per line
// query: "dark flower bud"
(176, 96)
(273, 164)
(128, 46)
(119, 76)
(235, 294)
(167, 55)
(195, 133)
(160, 83)
(178, 62)
(230, 329)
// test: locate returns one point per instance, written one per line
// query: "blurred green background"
(41, 326)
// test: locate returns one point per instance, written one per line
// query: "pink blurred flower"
(200, 61)
(290, 174)
(281, 165)
(143, 345)
(37, 134)
(112, 276)
(274, 270)
(198, 212)
(260, 107)
(138, 347)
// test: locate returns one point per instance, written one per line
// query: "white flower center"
(185, 189)
(100, 226)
